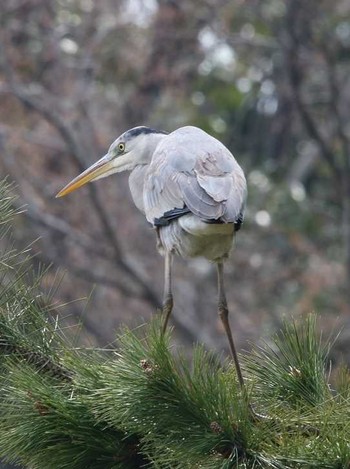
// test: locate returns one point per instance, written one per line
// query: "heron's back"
(193, 191)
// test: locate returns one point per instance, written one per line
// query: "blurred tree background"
(270, 79)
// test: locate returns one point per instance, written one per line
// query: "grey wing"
(196, 176)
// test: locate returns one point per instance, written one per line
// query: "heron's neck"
(136, 182)
(148, 147)
(138, 172)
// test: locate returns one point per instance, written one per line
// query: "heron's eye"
(121, 147)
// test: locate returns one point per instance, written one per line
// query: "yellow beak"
(100, 169)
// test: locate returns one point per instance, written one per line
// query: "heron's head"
(134, 147)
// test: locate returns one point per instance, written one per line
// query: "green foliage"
(144, 405)
(292, 370)
(44, 424)
(7, 210)
(25, 329)
(184, 414)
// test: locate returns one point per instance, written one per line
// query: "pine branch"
(46, 425)
(143, 405)
(7, 209)
(292, 369)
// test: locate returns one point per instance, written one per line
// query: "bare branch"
(89, 276)
(343, 138)
(187, 332)
(61, 227)
(335, 105)
(78, 152)
(340, 170)
(295, 79)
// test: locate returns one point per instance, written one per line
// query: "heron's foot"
(166, 310)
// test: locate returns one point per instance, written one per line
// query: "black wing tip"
(239, 222)
(170, 216)
(176, 213)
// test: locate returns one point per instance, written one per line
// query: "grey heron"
(190, 188)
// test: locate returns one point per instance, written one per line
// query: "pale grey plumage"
(189, 168)
(190, 187)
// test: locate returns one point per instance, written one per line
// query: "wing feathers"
(218, 188)
(191, 169)
(197, 200)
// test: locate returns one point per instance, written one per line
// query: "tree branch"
(78, 154)
(334, 104)
(59, 226)
(295, 80)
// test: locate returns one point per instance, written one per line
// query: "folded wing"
(193, 172)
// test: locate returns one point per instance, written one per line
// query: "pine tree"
(142, 404)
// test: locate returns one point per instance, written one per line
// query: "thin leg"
(159, 242)
(223, 313)
(168, 296)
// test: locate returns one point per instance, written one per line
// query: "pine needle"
(143, 405)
